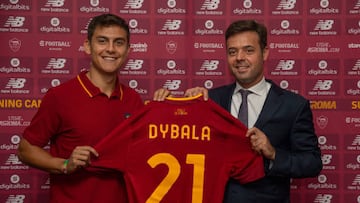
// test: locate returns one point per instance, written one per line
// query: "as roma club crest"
(171, 47)
(14, 44)
(322, 121)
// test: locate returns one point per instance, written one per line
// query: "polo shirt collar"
(93, 91)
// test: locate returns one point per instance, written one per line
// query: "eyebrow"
(119, 38)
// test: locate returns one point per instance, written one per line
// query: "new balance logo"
(13, 160)
(172, 25)
(210, 5)
(134, 4)
(16, 83)
(209, 65)
(172, 84)
(323, 85)
(356, 140)
(134, 64)
(286, 4)
(326, 159)
(357, 65)
(54, 3)
(285, 65)
(356, 181)
(324, 25)
(56, 63)
(323, 198)
(15, 199)
(17, 21)
(357, 6)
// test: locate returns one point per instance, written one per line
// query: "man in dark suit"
(280, 122)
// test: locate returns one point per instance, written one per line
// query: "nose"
(240, 55)
(110, 47)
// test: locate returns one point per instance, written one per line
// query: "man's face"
(108, 48)
(245, 58)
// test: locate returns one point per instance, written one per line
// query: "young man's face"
(108, 48)
(245, 58)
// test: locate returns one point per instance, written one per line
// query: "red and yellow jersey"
(179, 150)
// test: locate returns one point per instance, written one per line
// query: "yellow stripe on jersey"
(183, 98)
(83, 86)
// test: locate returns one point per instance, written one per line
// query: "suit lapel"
(272, 104)
(227, 98)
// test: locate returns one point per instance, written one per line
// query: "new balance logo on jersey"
(209, 65)
(13, 160)
(285, 65)
(17, 21)
(323, 85)
(134, 4)
(56, 63)
(323, 198)
(324, 25)
(54, 3)
(172, 84)
(134, 64)
(356, 141)
(16, 83)
(172, 25)
(15, 199)
(286, 4)
(210, 5)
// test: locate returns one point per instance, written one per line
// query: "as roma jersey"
(179, 150)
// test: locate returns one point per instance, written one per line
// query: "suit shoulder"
(223, 88)
(289, 94)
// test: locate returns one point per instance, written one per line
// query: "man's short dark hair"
(105, 20)
(248, 25)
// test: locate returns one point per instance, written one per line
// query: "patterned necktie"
(243, 110)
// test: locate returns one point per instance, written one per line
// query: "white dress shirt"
(256, 100)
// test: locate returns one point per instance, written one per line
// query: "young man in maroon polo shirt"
(77, 114)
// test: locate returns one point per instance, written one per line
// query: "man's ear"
(87, 46)
(265, 53)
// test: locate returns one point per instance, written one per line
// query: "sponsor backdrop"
(314, 51)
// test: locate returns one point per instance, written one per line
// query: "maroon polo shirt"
(74, 114)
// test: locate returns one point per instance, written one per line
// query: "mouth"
(241, 66)
(109, 58)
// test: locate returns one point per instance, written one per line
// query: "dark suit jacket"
(286, 119)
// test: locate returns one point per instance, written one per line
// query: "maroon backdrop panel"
(314, 51)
